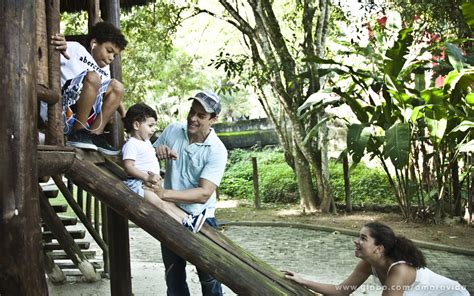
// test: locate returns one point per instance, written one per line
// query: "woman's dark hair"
(138, 112)
(396, 247)
(105, 31)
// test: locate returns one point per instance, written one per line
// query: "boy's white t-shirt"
(80, 60)
(143, 153)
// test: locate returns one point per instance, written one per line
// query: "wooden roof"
(78, 5)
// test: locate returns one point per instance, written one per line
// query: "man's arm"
(200, 194)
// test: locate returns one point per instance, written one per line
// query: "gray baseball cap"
(209, 100)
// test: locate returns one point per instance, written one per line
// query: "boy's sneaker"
(80, 139)
(194, 222)
(103, 146)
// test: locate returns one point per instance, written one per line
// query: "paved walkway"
(327, 257)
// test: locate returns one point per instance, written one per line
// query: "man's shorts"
(71, 92)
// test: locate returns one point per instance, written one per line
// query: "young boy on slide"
(141, 164)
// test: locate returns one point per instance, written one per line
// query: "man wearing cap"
(195, 163)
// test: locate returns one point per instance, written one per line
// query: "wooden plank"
(54, 162)
(68, 221)
(59, 208)
(61, 255)
(75, 234)
(21, 262)
(56, 246)
(244, 274)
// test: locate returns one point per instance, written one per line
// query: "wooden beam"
(117, 226)
(93, 10)
(21, 263)
(52, 163)
(41, 44)
(208, 250)
(54, 132)
(48, 95)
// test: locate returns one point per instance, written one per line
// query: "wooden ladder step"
(76, 234)
(56, 246)
(68, 264)
(73, 273)
(51, 193)
(60, 208)
(67, 221)
(61, 255)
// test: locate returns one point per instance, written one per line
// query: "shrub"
(278, 184)
(276, 179)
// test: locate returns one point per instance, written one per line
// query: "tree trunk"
(308, 197)
(456, 188)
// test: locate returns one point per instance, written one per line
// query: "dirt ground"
(450, 233)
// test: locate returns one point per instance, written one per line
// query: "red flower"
(382, 22)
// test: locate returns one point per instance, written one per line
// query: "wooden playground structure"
(30, 69)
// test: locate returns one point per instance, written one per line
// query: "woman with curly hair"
(394, 261)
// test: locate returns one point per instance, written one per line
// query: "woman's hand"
(292, 276)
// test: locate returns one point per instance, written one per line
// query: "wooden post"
(256, 191)
(55, 274)
(347, 183)
(117, 227)
(54, 133)
(93, 11)
(41, 44)
(21, 259)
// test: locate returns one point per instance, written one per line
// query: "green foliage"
(397, 121)
(278, 184)
(443, 17)
(153, 68)
(276, 179)
(368, 186)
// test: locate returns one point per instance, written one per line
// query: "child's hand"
(153, 178)
(60, 44)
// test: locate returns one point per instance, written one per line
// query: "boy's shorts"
(136, 185)
(71, 92)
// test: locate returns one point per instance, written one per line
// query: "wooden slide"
(209, 249)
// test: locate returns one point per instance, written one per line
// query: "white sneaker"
(194, 222)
